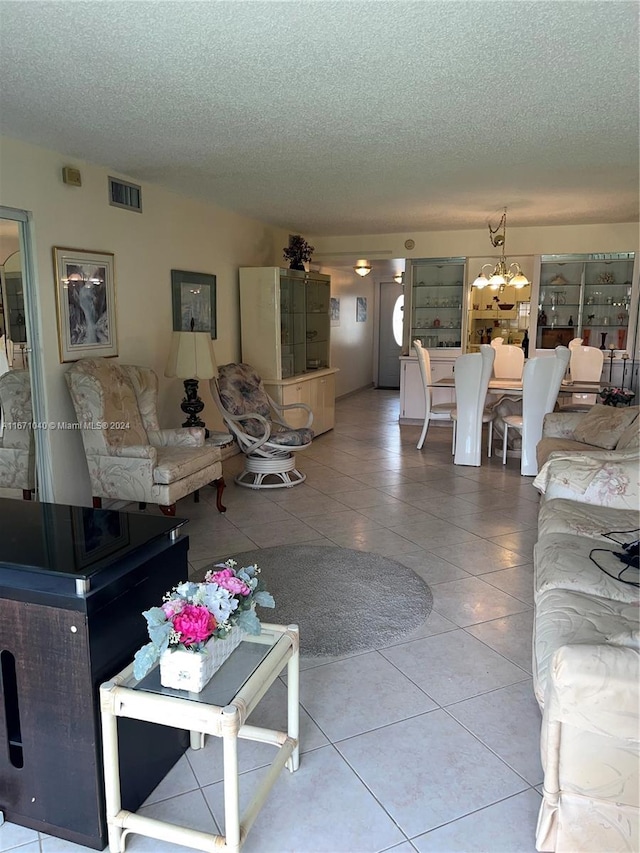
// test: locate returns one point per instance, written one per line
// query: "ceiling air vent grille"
(123, 194)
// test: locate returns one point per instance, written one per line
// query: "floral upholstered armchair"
(263, 435)
(17, 445)
(128, 455)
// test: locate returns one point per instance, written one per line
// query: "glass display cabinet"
(435, 314)
(585, 296)
(286, 328)
(285, 321)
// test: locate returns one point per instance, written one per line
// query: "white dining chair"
(432, 412)
(585, 365)
(509, 361)
(472, 374)
(541, 380)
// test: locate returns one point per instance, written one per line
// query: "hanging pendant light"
(501, 274)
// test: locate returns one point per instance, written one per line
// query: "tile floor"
(427, 745)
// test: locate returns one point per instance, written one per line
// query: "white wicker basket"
(191, 671)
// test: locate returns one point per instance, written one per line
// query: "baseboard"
(357, 391)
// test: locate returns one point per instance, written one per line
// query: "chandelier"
(502, 274)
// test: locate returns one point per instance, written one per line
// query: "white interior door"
(390, 334)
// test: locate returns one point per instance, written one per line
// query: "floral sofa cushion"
(103, 394)
(603, 426)
(242, 393)
(563, 561)
(610, 479)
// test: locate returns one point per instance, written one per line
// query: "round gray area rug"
(343, 600)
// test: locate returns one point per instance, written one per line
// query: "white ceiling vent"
(123, 194)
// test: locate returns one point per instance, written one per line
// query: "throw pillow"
(603, 426)
(630, 438)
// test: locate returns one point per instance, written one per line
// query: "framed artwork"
(193, 296)
(86, 303)
(361, 309)
(334, 311)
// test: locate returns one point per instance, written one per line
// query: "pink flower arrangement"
(193, 613)
(194, 623)
(227, 580)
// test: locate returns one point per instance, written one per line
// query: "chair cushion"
(175, 463)
(242, 392)
(603, 426)
(290, 437)
(106, 394)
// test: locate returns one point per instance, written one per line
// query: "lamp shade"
(191, 356)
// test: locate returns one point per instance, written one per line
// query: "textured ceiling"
(343, 117)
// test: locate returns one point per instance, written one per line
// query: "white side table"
(221, 710)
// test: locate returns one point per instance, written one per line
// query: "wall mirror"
(17, 445)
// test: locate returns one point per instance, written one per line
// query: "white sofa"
(601, 428)
(586, 655)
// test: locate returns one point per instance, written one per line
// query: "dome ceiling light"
(363, 267)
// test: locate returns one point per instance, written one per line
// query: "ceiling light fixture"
(502, 274)
(362, 268)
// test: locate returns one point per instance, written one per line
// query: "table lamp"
(191, 358)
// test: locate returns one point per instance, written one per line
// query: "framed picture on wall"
(361, 309)
(193, 296)
(86, 303)
(334, 310)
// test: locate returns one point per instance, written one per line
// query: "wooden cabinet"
(317, 390)
(74, 582)
(286, 336)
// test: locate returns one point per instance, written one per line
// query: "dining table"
(513, 387)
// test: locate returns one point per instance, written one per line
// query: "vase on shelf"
(296, 265)
(622, 338)
(603, 343)
(191, 670)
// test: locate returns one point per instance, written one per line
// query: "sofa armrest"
(607, 478)
(560, 424)
(181, 437)
(133, 451)
(596, 688)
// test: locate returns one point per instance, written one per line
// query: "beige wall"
(173, 232)
(351, 342)
(622, 237)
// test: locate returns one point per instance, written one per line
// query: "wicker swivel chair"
(263, 435)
